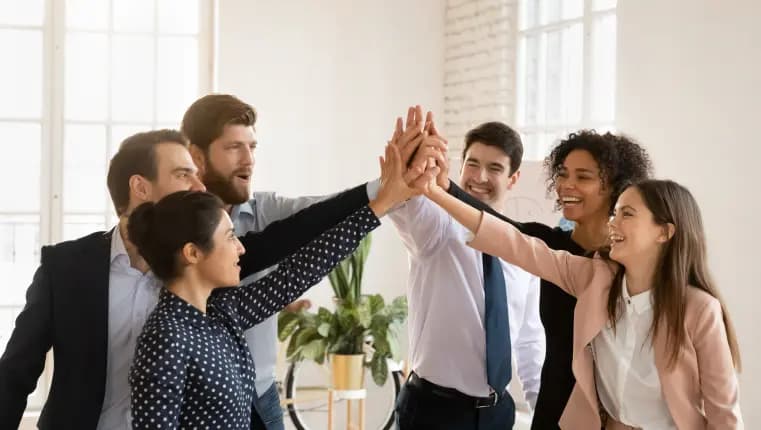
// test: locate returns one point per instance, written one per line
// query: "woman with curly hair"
(587, 171)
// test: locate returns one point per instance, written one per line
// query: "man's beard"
(223, 187)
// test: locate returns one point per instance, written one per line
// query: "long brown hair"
(682, 264)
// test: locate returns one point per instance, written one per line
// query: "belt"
(452, 394)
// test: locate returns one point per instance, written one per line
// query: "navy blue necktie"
(498, 363)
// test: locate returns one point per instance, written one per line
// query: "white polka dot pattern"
(195, 371)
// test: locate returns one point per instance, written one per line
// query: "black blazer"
(67, 310)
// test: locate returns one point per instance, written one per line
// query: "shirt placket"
(624, 365)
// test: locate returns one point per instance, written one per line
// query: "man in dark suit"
(90, 297)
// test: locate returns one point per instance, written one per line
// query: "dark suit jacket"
(67, 310)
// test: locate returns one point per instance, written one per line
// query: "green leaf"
(393, 345)
(379, 368)
(381, 345)
(398, 309)
(314, 350)
(291, 353)
(287, 323)
(376, 303)
(324, 329)
(364, 315)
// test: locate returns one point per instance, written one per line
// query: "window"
(566, 70)
(84, 75)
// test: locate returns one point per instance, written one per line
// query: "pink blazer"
(701, 389)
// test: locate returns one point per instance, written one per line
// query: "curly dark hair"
(621, 160)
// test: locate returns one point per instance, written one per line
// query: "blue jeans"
(268, 414)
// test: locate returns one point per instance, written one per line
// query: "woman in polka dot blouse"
(192, 366)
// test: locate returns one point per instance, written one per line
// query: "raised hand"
(394, 187)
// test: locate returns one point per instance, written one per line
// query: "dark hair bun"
(140, 227)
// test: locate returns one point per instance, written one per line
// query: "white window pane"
(87, 14)
(551, 11)
(529, 15)
(22, 12)
(19, 255)
(20, 175)
(530, 91)
(564, 82)
(21, 83)
(177, 84)
(133, 78)
(121, 132)
(76, 226)
(84, 168)
(178, 16)
(573, 9)
(603, 86)
(134, 15)
(86, 86)
(603, 4)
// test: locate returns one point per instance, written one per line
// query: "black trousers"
(421, 408)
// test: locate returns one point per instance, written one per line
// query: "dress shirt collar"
(178, 306)
(641, 302)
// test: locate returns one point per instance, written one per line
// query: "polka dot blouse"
(194, 370)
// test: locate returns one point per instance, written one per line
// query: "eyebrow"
(253, 143)
(183, 170)
(627, 207)
(492, 164)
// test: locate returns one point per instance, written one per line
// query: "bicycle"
(305, 396)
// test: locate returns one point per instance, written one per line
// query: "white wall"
(328, 79)
(688, 87)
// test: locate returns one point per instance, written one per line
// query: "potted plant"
(359, 333)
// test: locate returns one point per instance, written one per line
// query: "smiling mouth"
(570, 201)
(478, 190)
(615, 239)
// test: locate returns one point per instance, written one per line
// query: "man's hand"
(298, 305)
(395, 179)
(443, 178)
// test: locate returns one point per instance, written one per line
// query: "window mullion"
(54, 123)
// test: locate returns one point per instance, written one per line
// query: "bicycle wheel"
(306, 398)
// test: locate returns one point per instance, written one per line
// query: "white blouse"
(627, 379)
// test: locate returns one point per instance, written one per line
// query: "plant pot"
(347, 372)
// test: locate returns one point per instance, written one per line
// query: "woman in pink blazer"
(653, 343)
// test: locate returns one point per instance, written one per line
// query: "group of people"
(166, 321)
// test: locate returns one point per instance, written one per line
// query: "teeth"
(479, 190)
(570, 199)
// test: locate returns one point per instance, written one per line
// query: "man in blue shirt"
(222, 142)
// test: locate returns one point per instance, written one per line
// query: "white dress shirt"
(627, 379)
(446, 305)
(132, 295)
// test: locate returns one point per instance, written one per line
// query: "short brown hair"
(206, 118)
(137, 156)
(498, 135)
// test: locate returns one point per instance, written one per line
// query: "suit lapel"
(95, 273)
(590, 317)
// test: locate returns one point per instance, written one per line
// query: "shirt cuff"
(372, 189)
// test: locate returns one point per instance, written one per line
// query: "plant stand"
(348, 395)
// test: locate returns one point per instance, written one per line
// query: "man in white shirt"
(449, 386)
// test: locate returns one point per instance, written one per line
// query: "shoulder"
(703, 313)
(161, 338)
(700, 304)
(72, 249)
